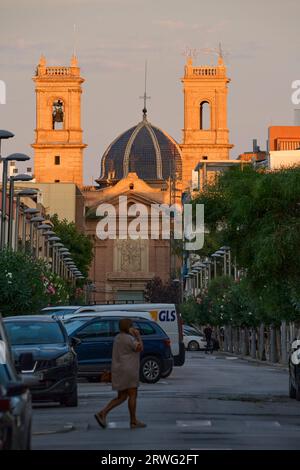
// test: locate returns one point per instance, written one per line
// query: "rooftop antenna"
(216, 51)
(74, 40)
(145, 97)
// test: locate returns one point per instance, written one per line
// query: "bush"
(27, 285)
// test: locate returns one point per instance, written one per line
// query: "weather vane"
(216, 51)
(145, 97)
(190, 52)
(193, 53)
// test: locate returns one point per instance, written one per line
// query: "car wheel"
(28, 443)
(167, 373)
(292, 390)
(193, 346)
(298, 393)
(70, 400)
(150, 370)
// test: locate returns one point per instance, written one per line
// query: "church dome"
(145, 150)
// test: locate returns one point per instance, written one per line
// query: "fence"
(266, 343)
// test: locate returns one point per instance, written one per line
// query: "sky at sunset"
(114, 38)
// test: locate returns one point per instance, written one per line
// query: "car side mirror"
(16, 389)
(75, 342)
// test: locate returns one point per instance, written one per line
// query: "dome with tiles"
(145, 150)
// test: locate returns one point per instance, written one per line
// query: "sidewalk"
(256, 361)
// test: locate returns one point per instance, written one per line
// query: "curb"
(65, 429)
(256, 361)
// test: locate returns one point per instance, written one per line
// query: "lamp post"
(43, 228)
(56, 246)
(33, 221)
(222, 253)
(215, 257)
(18, 157)
(12, 180)
(22, 193)
(53, 240)
(227, 251)
(47, 234)
(4, 135)
(65, 254)
(207, 265)
(31, 212)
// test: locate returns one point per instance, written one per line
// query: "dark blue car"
(97, 334)
(45, 357)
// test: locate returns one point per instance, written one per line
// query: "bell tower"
(205, 133)
(58, 146)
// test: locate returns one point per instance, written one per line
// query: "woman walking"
(125, 372)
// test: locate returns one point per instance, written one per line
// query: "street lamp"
(12, 180)
(47, 234)
(222, 253)
(227, 250)
(53, 239)
(34, 220)
(23, 193)
(55, 248)
(31, 212)
(18, 157)
(215, 257)
(43, 228)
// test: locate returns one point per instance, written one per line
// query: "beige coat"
(125, 363)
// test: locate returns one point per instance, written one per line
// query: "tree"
(27, 285)
(79, 245)
(158, 292)
(257, 213)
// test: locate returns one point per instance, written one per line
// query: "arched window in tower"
(58, 115)
(205, 116)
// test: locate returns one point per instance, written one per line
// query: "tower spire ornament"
(145, 97)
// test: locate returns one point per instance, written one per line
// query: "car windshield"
(59, 311)
(192, 333)
(26, 332)
(72, 324)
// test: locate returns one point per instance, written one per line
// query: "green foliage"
(257, 213)
(26, 284)
(79, 245)
(158, 292)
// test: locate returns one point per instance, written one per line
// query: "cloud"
(170, 24)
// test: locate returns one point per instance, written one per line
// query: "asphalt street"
(212, 402)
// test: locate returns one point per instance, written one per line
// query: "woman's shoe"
(101, 421)
(137, 425)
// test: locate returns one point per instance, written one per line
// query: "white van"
(166, 315)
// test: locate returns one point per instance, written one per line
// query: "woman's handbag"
(105, 376)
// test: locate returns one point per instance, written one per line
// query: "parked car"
(61, 310)
(45, 357)
(167, 316)
(15, 402)
(294, 370)
(95, 351)
(193, 340)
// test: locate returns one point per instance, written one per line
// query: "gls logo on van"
(163, 315)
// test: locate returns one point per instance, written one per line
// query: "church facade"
(143, 164)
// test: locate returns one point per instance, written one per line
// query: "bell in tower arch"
(57, 113)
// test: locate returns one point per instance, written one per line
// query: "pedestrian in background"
(125, 372)
(208, 336)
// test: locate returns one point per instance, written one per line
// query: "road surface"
(212, 402)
